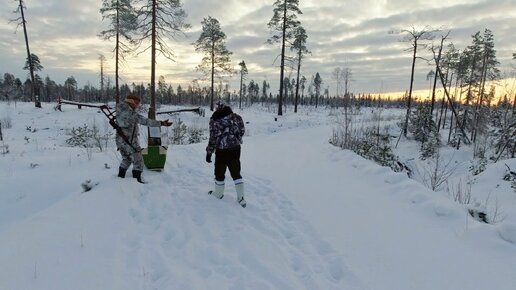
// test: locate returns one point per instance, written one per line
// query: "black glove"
(166, 123)
(208, 157)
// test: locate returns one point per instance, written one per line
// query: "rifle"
(112, 121)
(198, 111)
(78, 104)
(105, 109)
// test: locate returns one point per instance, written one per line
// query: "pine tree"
(70, 85)
(299, 46)
(212, 43)
(317, 85)
(159, 21)
(123, 22)
(35, 63)
(302, 84)
(284, 23)
(34, 86)
(243, 73)
(488, 72)
(472, 57)
(424, 130)
(265, 87)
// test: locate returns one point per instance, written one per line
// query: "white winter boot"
(218, 192)
(239, 186)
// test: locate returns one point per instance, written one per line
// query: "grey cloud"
(340, 33)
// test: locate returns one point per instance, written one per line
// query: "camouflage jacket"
(128, 119)
(226, 130)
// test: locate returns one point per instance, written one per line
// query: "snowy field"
(318, 217)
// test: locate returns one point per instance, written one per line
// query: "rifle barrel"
(196, 110)
(61, 101)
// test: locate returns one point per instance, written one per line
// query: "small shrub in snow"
(6, 123)
(179, 133)
(510, 176)
(504, 140)
(424, 129)
(437, 172)
(478, 166)
(182, 134)
(461, 193)
(4, 149)
(80, 137)
(88, 137)
(487, 213)
(195, 135)
(368, 143)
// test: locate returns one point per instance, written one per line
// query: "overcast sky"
(351, 33)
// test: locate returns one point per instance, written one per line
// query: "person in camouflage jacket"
(226, 132)
(128, 119)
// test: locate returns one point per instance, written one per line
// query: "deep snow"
(318, 217)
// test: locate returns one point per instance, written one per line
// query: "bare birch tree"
(414, 36)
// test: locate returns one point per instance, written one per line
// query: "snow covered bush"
(504, 139)
(183, 134)
(195, 135)
(1, 135)
(478, 166)
(460, 192)
(4, 148)
(6, 123)
(179, 133)
(88, 137)
(436, 172)
(511, 177)
(369, 143)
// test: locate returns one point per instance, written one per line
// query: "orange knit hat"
(132, 99)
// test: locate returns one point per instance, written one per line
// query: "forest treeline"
(468, 104)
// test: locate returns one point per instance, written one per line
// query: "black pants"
(227, 158)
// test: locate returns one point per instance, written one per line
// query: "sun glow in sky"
(351, 34)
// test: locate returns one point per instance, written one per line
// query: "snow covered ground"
(318, 217)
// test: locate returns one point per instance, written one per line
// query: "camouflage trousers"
(129, 156)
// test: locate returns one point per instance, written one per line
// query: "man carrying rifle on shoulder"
(128, 142)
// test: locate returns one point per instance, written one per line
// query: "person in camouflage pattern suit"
(128, 119)
(226, 132)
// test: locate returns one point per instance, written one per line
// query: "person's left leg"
(138, 166)
(234, 168)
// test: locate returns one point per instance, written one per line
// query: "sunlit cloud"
(354, 34)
